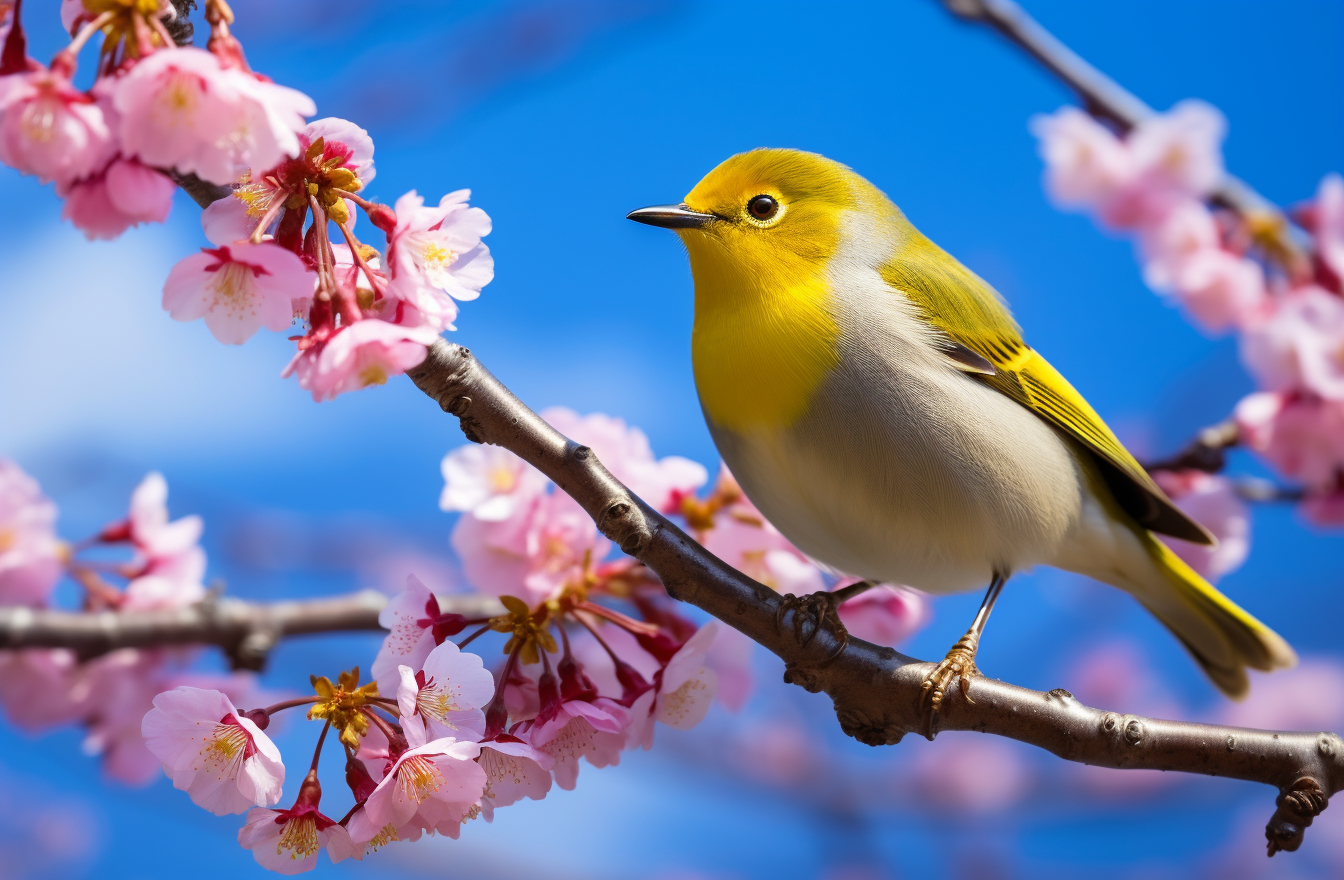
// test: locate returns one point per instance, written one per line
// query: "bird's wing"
(981, 331)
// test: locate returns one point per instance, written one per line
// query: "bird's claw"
(818, 608)
(959, 667)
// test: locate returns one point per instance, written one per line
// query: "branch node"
(866, 729)
(254, 648)
(806, 677)
(1298, 805)
(458, 406)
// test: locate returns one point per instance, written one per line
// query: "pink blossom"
(438, 783)
(121, 687)
(125, 195)
(435, 256)
(49, 128)
(234, 217)
(1329, 223)
(171, 561)
(683, 691)
(489, 482)
(41, 688)
(212, 751)
(624, 450)
(447, 695)
(534, 553)
(72, 12)
(342, 138)
(1211, 500)
(595, 731)
(730, 657)
(1301, 345)
(1184, 257)
(513, 771)
(415, 625)
(1325, 508)
(1180, 151)
(287, 841)
(30, 554)
(237, 288)
(365, 353)
(1302, 437)
(1085, 163)
(180, 108)
(885, 615)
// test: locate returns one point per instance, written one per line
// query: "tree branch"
(246, 631)
(1106, 99)
(877, 690)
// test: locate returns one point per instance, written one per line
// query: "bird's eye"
(763, 207)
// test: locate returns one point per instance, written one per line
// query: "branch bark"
(246, 631)
(876, 690)
(1106, 99)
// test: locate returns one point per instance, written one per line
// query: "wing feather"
(973, 316)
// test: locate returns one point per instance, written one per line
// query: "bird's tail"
(1223, 638)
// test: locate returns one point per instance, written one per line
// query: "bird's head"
(766, 218)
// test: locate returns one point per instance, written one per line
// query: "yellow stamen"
(299, 837)
(418, 778)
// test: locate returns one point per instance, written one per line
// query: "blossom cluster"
(42, 688)
(1230, 272)
(283, 248)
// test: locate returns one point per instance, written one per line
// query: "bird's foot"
(957, 667)
(822, 610)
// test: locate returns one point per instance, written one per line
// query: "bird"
(877, 401)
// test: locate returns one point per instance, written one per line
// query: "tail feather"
(1222, 637)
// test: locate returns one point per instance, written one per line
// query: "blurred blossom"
(1212, 501)
(1307, 697)
(1180, 150)
(780, 751)
(1302, 437)
(1300, 345)
(971, 772)
(30, 554)
(885, 615)
(489, 482)
(1085, 163)
(730, 657)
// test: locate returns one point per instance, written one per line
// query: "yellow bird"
(877, 402)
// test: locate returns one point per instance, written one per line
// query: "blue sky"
(561, 117)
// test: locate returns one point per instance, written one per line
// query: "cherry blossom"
(1085, 163)
(1181, 150)
(364, 353)
(287, 841)
(1301, 345)
(513, 770)
(534, 553)
(435, 256)
(212, 751)
(126, 194)
(41, 688)
(1184, 257)
(237, 288)
(1211, 500)
(885, 615)
(438, 783)
(50, 129)
(180, 108)
(593, 730)
(489, 482)
(447, 693)
(683, 691)
(342, 140)
(415, 625)
(30, 554)
(1302, 437)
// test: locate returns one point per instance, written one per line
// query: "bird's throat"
(764, 339)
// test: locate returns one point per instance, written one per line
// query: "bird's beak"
(670, 217)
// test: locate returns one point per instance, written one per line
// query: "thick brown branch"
(876, 690)
(1106, 99)
(246, 631)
